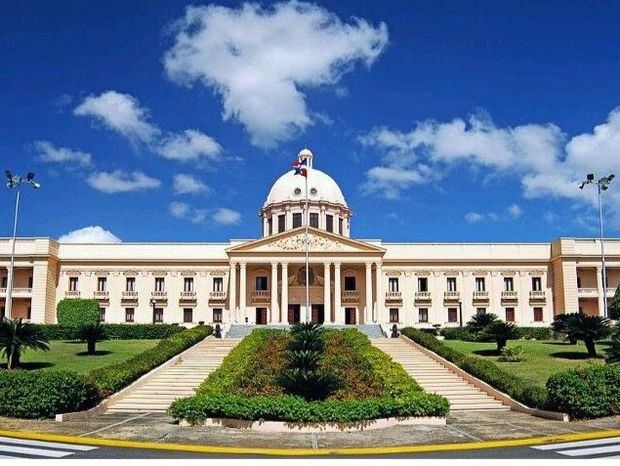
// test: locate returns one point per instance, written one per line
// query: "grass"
(542, 358)
(72, 355)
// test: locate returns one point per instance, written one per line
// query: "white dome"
(291, 187)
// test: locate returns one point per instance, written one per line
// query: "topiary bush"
(533, 333)
(44, 393)
(77, 312)
(114, 331)
(586, 393)
(57, 332)
(457, 333)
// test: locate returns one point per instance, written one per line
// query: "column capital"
(368, 265)
(242, 264)
(284, 265)
(327, 265)
(337, 265)
(274, 264)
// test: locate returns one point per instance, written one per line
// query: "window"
(159, 284)
(129, 314)
(329, 223)
(261, 283)
(101, 283)
(536, 284)
(217, 316)
(218, 284)
(130, 284)
(296, 220)
(340, 226)
(73, 283)
(188, 315)
(480, 311)
(314, 219)
(158, 315)
(578, 281)
(392, 284)
(510, 314)
(188, 284)
(451, 283)
(30, 281)
(350, 284)
(480, 284)
(270, 226)
(509, 284)
(538, 314)
(394, 315)
(29, 313)
(452, 314)
(423, 315)
(5, 280)
(102, 314)
(281, 223)
(301, 276)
(422, 284)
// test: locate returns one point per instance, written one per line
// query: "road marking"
(585, 443)
(16, 448)
(605, 447)
(38, 443)
(591, 451)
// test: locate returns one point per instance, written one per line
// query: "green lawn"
(542, 358)
(72, 355)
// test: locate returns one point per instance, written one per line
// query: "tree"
(16, 336)
(559, 327)
(614, 309)
(587, 328)
(91, 334)
(479, 321)
(77, 312)
(500, 332)
(612, 352)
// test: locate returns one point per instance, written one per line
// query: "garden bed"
(246, 387)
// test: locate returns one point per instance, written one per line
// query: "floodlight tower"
(602, 185)
(15, 182)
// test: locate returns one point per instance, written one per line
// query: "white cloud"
(514, 211)
(259, 60)
(121, 113)
(121, 182)
(90, 234)
(188, 146)
(225, 216)
(49, 153)
(188, 184)
(541, 156)
(181, 210)
(474, 217)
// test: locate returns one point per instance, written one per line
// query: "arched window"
(301, 276)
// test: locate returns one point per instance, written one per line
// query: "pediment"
(318, 241)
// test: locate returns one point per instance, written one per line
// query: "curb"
(359, 451)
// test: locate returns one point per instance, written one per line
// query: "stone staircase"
(243, 330)
(435, 378)
(156, 392)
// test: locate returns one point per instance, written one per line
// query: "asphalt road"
(14, 448)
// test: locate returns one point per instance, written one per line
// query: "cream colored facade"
(352, 281)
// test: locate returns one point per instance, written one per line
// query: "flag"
(301, 167)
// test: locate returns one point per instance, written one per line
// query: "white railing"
(587, 292)
(17, 291)
(422, 296)
(451, 295)
(72, 294)
(538, 295)
(159, 294)
(393, 295)
(509, 295)
(350, 295)
(217, 295)
(130, 294)
(481, 295)
(188, 295)
(100, 294)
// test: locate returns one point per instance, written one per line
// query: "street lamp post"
(15, 182)
(601, 186)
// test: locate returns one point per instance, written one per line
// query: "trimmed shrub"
(290, 408)
(534, 333)
(45, 393)
(457, 333)
(115, 331)
(585, 393)
(113, 377)
(57, 332)
(612, 352)
(487, 371)
(77, 312)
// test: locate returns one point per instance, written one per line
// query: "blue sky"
(441, 121)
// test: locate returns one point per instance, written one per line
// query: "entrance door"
(293, 313)
(261, 316)
(350, 315)
(318, 315)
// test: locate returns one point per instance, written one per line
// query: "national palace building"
(352, 281)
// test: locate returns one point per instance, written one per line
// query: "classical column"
(380, 298)
(242, 291)
(338, 314)
(327, 305)
(232, 293)
(368, 307)
(602, 292)
(284, 307)
(273, 318)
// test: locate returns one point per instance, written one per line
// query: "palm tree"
(91, 334)
(612, 352)
(479, 321)
(16, 336)
(559, 326)
(500, 332)
(587, 328)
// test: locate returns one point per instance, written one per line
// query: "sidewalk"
(468, 426)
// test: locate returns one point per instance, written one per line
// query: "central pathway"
(157, 392)
(435, 378)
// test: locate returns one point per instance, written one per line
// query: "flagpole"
(308, 310)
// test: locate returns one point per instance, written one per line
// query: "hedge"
(44, 393)
(77, 312)
(113, 377)
(289, 408)
(527, 333)
(585, 393)
(489, 372)
(119, 331)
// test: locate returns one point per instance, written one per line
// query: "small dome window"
(313, 191)
(297, 192)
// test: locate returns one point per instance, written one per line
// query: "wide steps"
(433, 377)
